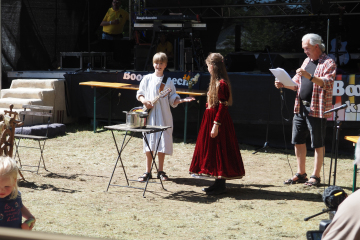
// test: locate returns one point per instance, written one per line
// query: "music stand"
(335, 140)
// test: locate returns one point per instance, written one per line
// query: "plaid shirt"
(321, 100)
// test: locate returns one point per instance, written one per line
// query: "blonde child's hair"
(160, 57)
(216, 60)
(8, 168)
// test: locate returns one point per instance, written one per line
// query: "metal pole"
(130, 36)
(89, 28)
(185, 121)
(0, 48)
(94, 123)
(327, 37)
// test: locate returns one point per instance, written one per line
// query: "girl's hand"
(214, 131)
(28, 224)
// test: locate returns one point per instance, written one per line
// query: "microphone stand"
(266, 144)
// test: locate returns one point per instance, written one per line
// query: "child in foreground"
(11, 207)
(217, 153)
(160, 114)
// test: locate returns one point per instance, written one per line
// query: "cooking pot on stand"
(136, 118)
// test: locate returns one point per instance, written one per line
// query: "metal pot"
(136, 119)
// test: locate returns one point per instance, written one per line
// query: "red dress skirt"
(220, 156)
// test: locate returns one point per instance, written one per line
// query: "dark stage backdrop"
(256, 100)
(259, 113)
(34, 32)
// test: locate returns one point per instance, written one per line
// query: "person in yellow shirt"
(165, 46)
(114, 22)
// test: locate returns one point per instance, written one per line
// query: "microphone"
(337, 108)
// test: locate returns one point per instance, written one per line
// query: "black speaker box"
(239, 62)
(266, 61)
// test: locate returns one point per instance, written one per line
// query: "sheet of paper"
(283, 76)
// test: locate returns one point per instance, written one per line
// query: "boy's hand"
(148, 104)
(188, 99)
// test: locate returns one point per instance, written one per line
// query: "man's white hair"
(314, 39)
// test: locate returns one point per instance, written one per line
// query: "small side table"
(353, 139)
(144, 131)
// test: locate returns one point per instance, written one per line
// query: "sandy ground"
(72, 198)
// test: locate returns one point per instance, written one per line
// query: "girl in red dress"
(217, 151)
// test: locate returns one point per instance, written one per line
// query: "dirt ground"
(72, 198)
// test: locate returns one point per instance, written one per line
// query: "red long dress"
(220, 156)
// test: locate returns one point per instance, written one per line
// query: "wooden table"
(153, 152)
(94, 85)
(127, 86)
(353, 139)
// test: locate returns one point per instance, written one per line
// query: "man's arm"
(107, 23)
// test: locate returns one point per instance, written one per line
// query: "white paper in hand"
(283, 76)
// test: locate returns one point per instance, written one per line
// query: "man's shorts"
(303, 125)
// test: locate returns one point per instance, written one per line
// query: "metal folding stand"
(335, 140)
(144, 131)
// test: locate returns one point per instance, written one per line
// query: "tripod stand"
(322, 212)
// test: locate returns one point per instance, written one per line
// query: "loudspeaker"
(266, 61)
(239, 62)
(320, 6)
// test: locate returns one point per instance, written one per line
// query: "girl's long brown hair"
(216, 60)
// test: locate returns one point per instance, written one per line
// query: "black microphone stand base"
(265, 148)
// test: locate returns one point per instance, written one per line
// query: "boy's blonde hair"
(160, 57)
(8, 168)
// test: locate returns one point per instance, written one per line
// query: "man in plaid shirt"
(314, 86)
